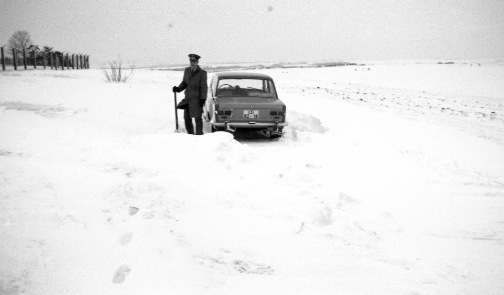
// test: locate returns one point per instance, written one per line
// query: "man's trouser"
(189, 125)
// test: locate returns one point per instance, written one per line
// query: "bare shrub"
(115, 72)
(20, 40)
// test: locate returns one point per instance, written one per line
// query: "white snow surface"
(389, 179)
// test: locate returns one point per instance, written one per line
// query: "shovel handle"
(176, 114)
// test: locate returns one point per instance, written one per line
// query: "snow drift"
(388, 180)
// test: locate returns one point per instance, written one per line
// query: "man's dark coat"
(195, 86)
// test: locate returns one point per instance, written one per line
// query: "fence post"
(24, 59)
(51, 59)
(34, 52)
(62, 61)
(73, 61)
(14, 58)
(44, 59)
(87, 59)
(56, 61)
(81, 62)
(3, 60)
(67, 61)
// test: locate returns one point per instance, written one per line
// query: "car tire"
(215, 129)
(276, 135)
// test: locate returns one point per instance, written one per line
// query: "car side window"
(271, 88)
(213, 87)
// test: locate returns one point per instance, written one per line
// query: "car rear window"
(246, 88)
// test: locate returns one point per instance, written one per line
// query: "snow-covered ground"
(388, 180)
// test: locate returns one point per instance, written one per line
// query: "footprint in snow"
(121, 273)
(133, 210)
(252, 268)
(126, 238)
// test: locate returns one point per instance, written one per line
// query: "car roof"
(241, 75)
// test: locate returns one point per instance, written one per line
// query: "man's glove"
(176, 89)
(202, 102)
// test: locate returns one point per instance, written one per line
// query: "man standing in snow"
(195, 84)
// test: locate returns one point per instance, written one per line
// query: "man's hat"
(193, 56)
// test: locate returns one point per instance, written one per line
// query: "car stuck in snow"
(247, 101)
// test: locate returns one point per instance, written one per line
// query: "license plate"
(251, 114)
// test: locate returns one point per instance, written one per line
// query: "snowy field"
(388, 180)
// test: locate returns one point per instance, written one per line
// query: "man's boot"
(199, 126)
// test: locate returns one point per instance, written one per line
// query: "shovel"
(176, 114)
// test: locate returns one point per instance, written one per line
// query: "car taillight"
(224, 113)
(277, 113)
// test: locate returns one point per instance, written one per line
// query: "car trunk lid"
(250, 109)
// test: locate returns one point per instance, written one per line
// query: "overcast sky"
(164, 32)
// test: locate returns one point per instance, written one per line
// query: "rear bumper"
(249, 124)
